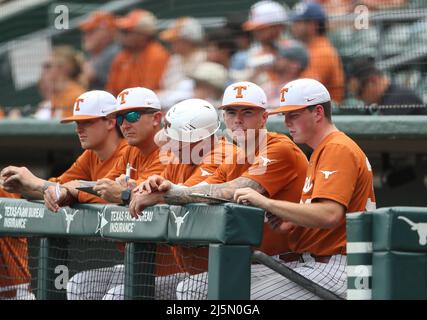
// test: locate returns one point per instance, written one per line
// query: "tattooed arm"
(21, 180)
(223, 190)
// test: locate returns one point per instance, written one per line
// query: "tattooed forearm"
(223, 190)
(36, 190)
(46, 185)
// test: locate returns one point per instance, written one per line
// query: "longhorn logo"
(69, 218)
(421, 228)
(327, 173)
(265, 161)
(179, 221)
(205, 173)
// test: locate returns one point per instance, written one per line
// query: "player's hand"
(51, 201)
(153, 184)
(130, 183)
(278, 224)
(251, 197)
(18, 179)
(286, 226)
(273, 220)
(140, 201)
(109, 190)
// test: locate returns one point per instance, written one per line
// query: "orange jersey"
(144, 165)
(325, 66)
(279, 167)
(13, 256)
(144, 69)
(193, 260)
(282, 177)
(192, 174)
(339, 171)
(89, 167)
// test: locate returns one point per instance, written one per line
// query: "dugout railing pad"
(229, 229)
(387, 254)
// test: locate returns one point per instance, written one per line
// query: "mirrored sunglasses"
(133, 116)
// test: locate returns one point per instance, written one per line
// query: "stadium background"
(397, 38)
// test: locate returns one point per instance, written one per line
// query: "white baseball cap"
(301, 93)
(136, 98)
(184, 28)
(265, 13)
(91, 105)
(243, 94)
(191, 120)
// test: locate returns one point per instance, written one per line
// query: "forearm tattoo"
(225, 190)
(46, 185)
(37, 192)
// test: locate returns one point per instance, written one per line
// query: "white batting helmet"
(191, 120)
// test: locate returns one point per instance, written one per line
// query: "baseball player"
(139, 116)
(276, 168)
(338, 181)
(103, 146)
(189, 131)
(138, 113)
(15, 276)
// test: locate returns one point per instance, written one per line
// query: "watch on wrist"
(125, 196)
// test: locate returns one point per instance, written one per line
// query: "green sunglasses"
(131, 116)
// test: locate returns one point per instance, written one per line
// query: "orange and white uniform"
(191, 174)
(89, 167)
(338, 171)
(144, 165)
(194, 260)
(279, 167)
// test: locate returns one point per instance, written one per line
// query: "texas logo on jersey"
(327, 173)
(205, 173)
(265, 161)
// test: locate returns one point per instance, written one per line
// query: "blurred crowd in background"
(268, 45)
